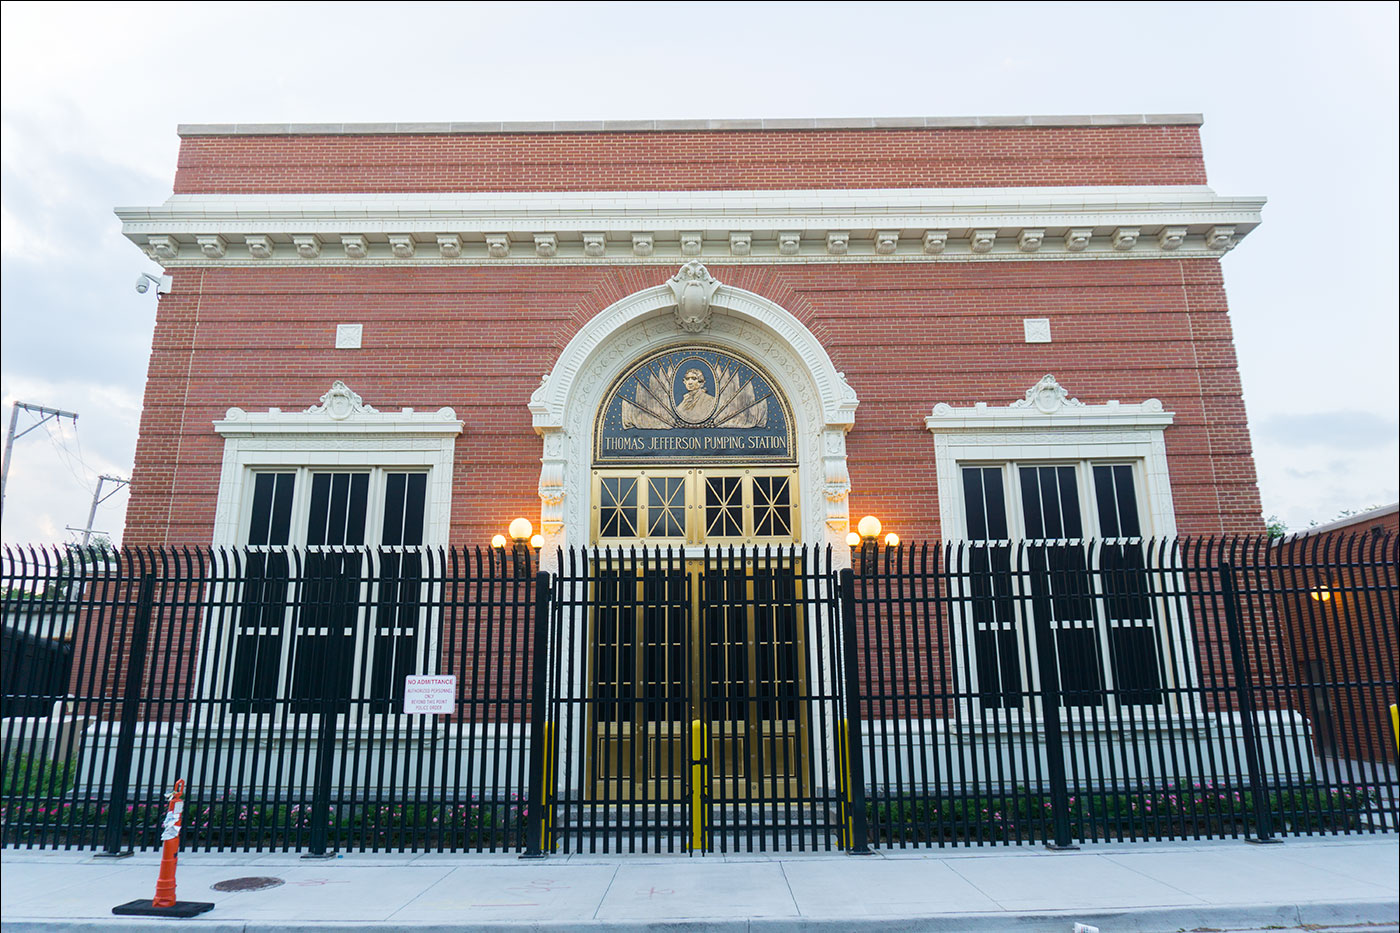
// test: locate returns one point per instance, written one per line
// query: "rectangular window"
(263, 606)
(321, 626)
(1127, 589)
(989, 587)
(619, 507)
(724, 507)
(665, 506)
(400, 603)
(1031, 561)
(721, 506)
(772, 507)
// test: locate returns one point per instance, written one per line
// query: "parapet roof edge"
(1360, 518)
(643, 126)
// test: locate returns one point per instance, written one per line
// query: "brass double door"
(701, 659)
(720, 646)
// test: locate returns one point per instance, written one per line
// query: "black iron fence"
(705, 700)
(274, 684)
(1062, 693)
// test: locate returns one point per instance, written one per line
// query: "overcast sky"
(1300, 103)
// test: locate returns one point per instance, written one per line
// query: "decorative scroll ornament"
(1046, 396)
(694, 287)
(340, 402)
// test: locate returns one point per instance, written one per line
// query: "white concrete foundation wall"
(922, 756)
(929, 754)
(462, 758)
(57, 737)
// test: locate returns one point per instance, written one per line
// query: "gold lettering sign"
(694, 404)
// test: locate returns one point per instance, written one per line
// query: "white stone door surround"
(565, 405)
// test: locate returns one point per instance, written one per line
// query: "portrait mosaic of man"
(697, 404)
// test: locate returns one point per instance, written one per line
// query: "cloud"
(89, 121)
(1338, 430)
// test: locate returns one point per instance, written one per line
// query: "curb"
(1119, 920)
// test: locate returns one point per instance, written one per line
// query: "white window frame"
(365, 627)
(1045, 428)
(340, 434)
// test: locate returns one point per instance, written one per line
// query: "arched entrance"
(729, 319)
(693, 447)
(694, 438)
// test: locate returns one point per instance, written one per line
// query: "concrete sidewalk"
(1325, 883)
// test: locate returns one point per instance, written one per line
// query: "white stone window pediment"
(1047, 405)
(340, 431)
(340, 411)
(1048, 424)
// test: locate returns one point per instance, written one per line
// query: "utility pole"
(98, 499)
(45, 414)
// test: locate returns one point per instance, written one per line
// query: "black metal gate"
(695, 703)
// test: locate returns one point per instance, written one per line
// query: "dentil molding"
(669, 227)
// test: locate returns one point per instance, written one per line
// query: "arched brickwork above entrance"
(565, 405)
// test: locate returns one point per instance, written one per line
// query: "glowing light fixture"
(537, 541)
(869, 527)
(498, 541)
(521, 529)
(891, 540)
(1321, 593)
(852, 540)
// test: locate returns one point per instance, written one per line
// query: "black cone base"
(143, 908)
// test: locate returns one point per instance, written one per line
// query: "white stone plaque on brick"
(430, 693)
(1037, 329)
(349, 336)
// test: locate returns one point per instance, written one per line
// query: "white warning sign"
(429, 693)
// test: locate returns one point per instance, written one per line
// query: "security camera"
(146, 280)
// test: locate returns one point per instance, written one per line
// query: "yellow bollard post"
(698, 817)
(1395, 724)
(846, 788)
(547, 823)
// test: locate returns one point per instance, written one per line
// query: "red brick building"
(1336, 584)
(901, 286)
(689, 335)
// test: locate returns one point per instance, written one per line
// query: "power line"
(45, 415)
(67, 455)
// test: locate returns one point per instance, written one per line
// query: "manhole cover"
(247, 884)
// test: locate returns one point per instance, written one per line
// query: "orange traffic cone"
(164, 903)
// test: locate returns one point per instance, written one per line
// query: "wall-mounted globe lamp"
(520, 531)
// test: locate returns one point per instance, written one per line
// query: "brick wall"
(1341, 651)
(701, 160)
(906, 335)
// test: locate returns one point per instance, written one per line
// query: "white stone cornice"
(572, 228)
